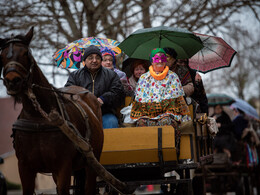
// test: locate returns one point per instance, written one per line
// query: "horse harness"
(10, 66)
(33, 126)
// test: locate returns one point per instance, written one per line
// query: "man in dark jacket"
(104, 83)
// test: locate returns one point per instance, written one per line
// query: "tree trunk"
(146, 13)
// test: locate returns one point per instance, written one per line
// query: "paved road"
(53, 193)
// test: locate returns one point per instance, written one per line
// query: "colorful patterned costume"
(156, 99)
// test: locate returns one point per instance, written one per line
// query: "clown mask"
(159, 62)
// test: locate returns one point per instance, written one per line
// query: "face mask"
(159, 59)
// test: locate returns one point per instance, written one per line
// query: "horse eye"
(25, 53)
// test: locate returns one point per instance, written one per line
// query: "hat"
(92, 49)
(171, 52)
(155, 51)
(106, 51)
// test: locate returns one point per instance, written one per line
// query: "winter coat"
(185, 78)
(105, 84)
(132, 82)
(199, 94)
(224, 120)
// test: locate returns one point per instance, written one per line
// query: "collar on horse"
(62, 108)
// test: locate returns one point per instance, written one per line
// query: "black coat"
(225, 121)
(239, 124)
(199, 94)
(105, 84)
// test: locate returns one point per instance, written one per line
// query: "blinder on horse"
(13, 65)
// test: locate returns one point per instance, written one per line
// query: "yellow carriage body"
(141, 145)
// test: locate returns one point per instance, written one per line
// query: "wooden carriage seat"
(141, 144)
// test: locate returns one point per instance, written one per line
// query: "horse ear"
(29, 35)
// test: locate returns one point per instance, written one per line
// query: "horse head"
(17, 62)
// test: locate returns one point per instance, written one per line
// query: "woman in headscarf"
(109, 61)
(159, 95)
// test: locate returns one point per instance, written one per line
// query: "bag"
(126, 111)
(212, 124)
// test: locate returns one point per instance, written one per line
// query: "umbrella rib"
(98, 42)
(173, 42)
(139, 45)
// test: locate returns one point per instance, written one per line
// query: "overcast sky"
(246, 19)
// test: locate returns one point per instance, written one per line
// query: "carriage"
(147, 155)
(134, 155)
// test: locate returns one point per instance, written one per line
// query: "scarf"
(159, 76)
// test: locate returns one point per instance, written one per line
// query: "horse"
(39, 145)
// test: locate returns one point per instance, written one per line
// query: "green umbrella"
(140, 43)
(219, 99)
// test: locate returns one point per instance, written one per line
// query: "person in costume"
(159, 96)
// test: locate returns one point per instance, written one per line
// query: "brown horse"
(39, 145)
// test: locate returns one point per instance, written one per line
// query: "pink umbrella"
(215, 54)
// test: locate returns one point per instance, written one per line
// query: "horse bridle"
(11, 66)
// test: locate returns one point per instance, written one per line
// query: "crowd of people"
(236, 138)
(158, 88)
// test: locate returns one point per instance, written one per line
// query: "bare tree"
(242, 76)
(58, 22)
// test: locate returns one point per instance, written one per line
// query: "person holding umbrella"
(104, 83)
(190, 79)
(224, 140)
(240, 122)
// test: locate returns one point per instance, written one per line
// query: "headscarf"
(106, 51)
